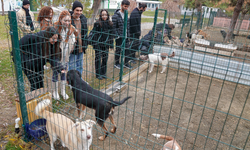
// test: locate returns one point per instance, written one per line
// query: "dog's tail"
(121, 102)
(169, 138)
(39, 110)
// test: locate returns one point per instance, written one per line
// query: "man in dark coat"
(79, 21)
(135, 29)
(118, 21)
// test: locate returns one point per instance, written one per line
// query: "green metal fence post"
(123, 46)
(154, 28)
(191, 22)
(18, 66)
(164, 22)
(183, 23)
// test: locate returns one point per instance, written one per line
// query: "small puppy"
(89, 97)
(73, 135)
(157, 58)
(205, 35)
(171, 144)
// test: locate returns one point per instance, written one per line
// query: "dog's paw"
(113, 130)
(162, 72)
(149, 71)
(102, 138)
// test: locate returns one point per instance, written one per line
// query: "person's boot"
(55, 94)
(63, 88)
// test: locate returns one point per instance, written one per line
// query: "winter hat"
(25, 2)
(76, 4)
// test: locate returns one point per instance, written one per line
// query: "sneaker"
(132, 61)
(117, 66)
(128, 66)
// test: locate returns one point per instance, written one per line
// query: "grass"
(144, 20)
(149, 13)
(3, 31)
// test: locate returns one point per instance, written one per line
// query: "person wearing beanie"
(79, 21)
(26, 19)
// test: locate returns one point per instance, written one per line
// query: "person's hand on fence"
(111, 49)
(63, 71)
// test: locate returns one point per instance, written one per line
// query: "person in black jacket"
(118, 21)
(35, 50)
(102, 41)
(79, 21)
(168, 29)
(135, 29)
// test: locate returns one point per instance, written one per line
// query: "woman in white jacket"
(69, 35)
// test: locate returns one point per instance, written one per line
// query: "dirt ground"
(181, 105)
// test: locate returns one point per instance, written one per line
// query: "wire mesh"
(201, 100)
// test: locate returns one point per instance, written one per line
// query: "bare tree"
(236, 13)
(94, 9)
(245, 10)
(2, 7)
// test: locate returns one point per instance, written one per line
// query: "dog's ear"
(91, 122)
(68, 78)
(76, 124)
(79, 73)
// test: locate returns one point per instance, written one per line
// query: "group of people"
(64, 42)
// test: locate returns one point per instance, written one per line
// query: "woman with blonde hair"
(45, 17)
(68, 34)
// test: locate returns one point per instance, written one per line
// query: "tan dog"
(73, 135)
(171, 144)
(205, 35)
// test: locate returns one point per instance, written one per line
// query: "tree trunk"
(244, 12)
(199, 10)
(236, 13)
(2, 7)
(239, 23)
(95, 9)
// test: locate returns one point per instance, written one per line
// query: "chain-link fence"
(200, 100)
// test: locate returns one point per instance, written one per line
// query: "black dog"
(103, 104)
(224, 34)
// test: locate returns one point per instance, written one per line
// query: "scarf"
(28, 19)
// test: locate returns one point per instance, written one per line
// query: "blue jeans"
(76, 62)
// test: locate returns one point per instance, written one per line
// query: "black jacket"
(118, 24)
(84, 33)
(167, 31)
(135, 22)
(32, 53)
(103, 35)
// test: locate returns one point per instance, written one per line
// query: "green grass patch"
(5, 63)
(144, 20)
(149, 13)
(3, 31)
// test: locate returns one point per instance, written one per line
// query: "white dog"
(158, 58)
(171, 144)
(73, 135)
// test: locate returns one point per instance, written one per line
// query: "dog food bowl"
(37, 128)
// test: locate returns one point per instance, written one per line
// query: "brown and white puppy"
(73, 135)
(157, 58)
(205, 35)
(171, 144)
